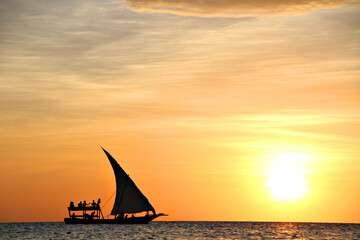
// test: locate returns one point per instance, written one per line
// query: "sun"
(286, 176)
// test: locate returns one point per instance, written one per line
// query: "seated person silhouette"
(72, 204)
(80, 204)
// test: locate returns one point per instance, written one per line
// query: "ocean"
(181, 230)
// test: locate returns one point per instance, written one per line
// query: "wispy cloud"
(234, 8)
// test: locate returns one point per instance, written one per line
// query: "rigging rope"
(109, 199)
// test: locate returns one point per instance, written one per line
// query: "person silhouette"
(98, 202)
(93, 203)
(80, 204)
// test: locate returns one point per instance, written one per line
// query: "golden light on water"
(286, 176)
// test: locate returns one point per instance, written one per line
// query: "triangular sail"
(129, 198)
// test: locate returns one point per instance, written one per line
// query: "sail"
(129, 198)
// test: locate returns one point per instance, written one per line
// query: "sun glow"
(286, 176)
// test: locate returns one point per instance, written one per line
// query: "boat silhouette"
(129, 200)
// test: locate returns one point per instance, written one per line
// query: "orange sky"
(199, 102)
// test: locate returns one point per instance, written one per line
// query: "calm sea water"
(181, 230)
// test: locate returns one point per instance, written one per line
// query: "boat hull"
(131, 220)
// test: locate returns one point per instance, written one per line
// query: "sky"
(218, 110)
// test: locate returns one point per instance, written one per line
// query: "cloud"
(234, 8)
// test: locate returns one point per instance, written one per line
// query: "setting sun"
(286, 179)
